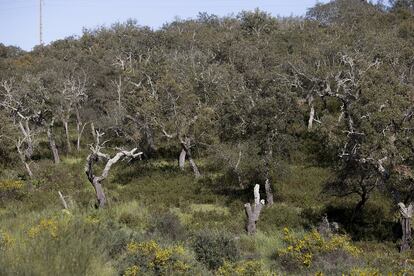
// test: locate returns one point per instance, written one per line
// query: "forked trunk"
(95, 180)
(186, 148)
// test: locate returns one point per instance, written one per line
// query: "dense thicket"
(253, 93)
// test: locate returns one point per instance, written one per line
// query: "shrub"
(243, 268)
(169, 226)
(57, 245)
(150, 257)
(6, 240)
(11, 189)
(302, 251)
(213, 248)
(279, 215)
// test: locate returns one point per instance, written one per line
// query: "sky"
(19, 19)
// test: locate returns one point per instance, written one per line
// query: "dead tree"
(73, 96)
(253, 212)
(406, 214)
(96, 156)
(22, 115)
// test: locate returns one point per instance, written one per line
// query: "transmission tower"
(40, 23)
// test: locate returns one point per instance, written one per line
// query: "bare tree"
(23, 115)
(73, 96)
(97, 155)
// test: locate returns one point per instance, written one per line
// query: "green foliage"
(214, 248)
(238, 93)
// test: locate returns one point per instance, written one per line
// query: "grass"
(145, 197)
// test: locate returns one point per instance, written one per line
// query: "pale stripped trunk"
(181, 159)
(311, 113)
(52, 143)
(65, 124)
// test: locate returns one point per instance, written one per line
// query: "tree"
(22, 100)
(96, 156)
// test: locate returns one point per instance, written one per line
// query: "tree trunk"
(181, 159)
(65, 124)
(27, 134)
(80, 128)
(24, 155)
(406, 214)
(96, 181)
(52, 142)
(269, 193)
(100, 194)
(186, 147)
(25, 164)
(93, 131)
(194, 167)
(62, 199)
(360, 205)
(311, 113)
(253, 212)
(150, 138)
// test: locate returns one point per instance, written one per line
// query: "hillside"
(239, 145)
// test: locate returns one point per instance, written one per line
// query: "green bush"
(278, 216)
(213, 248)
(168, 226)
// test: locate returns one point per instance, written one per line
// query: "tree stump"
(406, 214)
(253, 212)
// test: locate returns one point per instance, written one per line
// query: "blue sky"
(19, 23)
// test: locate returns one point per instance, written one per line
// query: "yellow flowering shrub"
(9, 185)
(6, 240)
(244, 268)
(11, 189)
(365, 272)
(132, 271)
(150, 256)
(302, 250)
(48, 226)
(91, 220)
